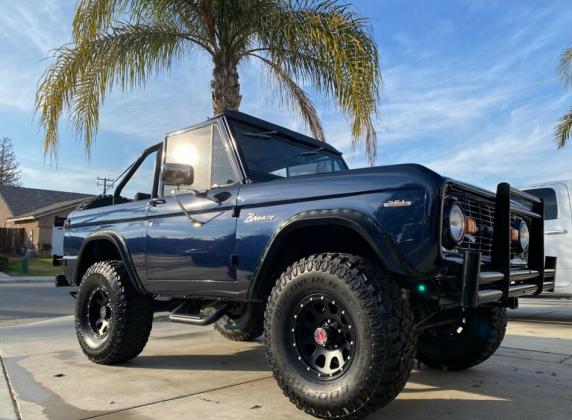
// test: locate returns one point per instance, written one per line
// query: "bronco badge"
(252, 217)
(397, 203)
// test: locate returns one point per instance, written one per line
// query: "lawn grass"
(36, 267)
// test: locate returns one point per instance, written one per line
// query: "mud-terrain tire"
(371, 324)
(467, 344)
(112, 320)
(243, 322)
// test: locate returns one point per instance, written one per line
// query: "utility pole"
(105, 183)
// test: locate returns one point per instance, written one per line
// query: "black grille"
(483, 211)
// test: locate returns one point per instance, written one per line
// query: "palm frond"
(94, 17)
(565, 66)
(330, 46)
(563, 129)
(82, 75)
(319, 42)
(294, 95)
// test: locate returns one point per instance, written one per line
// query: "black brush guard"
(500, 284)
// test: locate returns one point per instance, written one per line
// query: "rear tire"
(113, 321)
(466, 344)
(339, 336)
(243, 322)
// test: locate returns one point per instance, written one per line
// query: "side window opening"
(204, 149)
(550, 202)
(140, 185)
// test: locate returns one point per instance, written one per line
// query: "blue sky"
(470, 90)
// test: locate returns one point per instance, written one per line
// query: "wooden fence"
(12, 240)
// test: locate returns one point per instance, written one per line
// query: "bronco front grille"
(483, 211)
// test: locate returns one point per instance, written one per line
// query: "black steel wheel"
(339, 336)
(113, 321)
(472, 339)
(99, 312)
(322, 336)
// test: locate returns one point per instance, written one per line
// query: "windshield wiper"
(260, 134)
(311, 152)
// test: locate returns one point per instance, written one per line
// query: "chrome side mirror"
(177, 174)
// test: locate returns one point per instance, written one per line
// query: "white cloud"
(61, 179)
(37, 23)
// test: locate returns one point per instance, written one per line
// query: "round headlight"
(456, 223)
(523, 235)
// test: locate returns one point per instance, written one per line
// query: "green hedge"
(4, 261)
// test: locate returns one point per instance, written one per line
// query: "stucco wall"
(39, 231)
(5, 213)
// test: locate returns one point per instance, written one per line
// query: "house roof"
(44, 211)
(21, 201)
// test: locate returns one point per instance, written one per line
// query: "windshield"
(271, 155)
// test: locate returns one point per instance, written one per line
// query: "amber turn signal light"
(514, 234)
(471, 225)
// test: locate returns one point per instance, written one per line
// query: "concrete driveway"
(192, 372)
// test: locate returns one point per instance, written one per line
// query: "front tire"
(465, 344)
(113, 321)
(339, 336)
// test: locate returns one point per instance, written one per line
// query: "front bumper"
(482, 287)
(502, 283)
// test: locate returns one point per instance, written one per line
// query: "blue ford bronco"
(349, 274)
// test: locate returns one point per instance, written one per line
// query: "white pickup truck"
(557, 228)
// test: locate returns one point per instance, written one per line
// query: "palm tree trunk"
(225, 86)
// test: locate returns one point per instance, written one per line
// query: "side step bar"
(182, 316)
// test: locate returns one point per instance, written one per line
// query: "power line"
(105, 183)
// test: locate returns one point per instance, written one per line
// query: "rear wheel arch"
(316, 232)
(105, 246)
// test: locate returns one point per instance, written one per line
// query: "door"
(557, 230)
(193, 252)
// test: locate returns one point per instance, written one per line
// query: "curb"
(39, 279)
(8, 404)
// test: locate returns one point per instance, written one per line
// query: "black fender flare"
(362, 224)
(118, 242)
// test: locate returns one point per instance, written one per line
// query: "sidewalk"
(6, 278)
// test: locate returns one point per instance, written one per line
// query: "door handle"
(556, 232)
(154, 201)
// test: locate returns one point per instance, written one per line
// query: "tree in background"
(10, 172)
(564, 127)
(124, 43)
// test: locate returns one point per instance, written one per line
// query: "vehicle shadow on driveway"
(245, 360)
(499, 388)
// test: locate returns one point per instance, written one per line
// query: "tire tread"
(380, 297)
(133, 317)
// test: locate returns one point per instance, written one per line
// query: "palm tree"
(124, 43)
(564, 127)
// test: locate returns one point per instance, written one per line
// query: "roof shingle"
(20, 200)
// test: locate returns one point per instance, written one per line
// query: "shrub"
(4, 261)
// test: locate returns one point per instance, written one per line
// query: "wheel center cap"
(320, 336)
